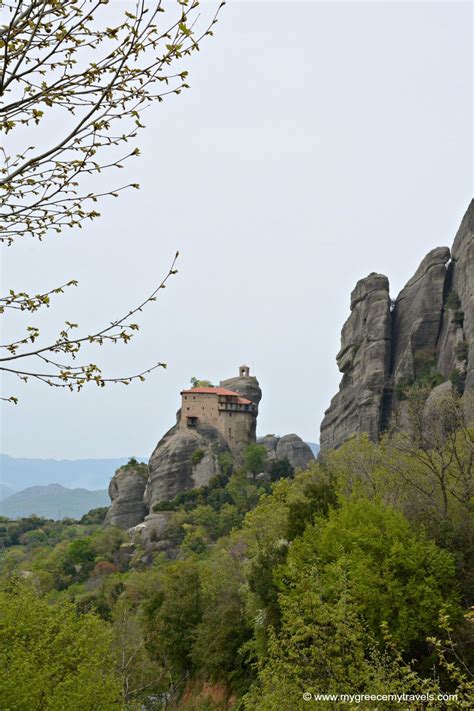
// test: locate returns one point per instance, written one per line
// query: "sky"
(319, 142)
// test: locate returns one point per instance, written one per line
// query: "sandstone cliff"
(426, 334)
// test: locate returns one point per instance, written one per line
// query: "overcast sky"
(320, 141)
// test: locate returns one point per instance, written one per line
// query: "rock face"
(364, 360)
(417, 316)
(183, 460)
(463, 285)
(429, 330)
(289, 447)
(126, 490)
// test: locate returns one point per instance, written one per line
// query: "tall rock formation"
(364, 360)
(183, 460)
(417, 315)
(462, 287)
(211, 422)
(126, 490)
(429, 334)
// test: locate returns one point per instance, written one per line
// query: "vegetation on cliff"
(355, 575)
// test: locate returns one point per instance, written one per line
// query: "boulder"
(297, 452)
(126, 490)
(289, 447)
(270, 442)
(151, 533)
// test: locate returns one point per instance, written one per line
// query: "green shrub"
(197, 456)
(462, 350)
(255, 457)
(197, 383)
(457, 379)
(453, 301)
(281, 469)
(94, 516)
(458, 317)
(226, 463)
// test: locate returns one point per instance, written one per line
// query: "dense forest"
(353, 577)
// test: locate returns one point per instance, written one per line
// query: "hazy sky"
(319, 142)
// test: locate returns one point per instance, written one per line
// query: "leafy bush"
(197, 456)
(281, 468)
(453, 302)
(458, 380)
(226, 463)
(462, 351)
(52, 658)
(255, 457)
(196, 383)
(426, 374)
(94, 516)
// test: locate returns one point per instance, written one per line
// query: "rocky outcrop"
(364, 360)
(126, 490)
(428, 336)
(417, 315)
(186, 457)
(183, 459)
(461, 288)
(289, 447)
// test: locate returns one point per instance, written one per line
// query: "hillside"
(53, 501)
(5, 491)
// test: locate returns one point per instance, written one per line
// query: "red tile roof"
(218, 391)
(211, 391)
(243, 401)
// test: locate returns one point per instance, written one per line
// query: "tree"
(140, 676)
(196, 383)
(281, 468)
(255, 457)
(79, 65)
(397, 576)
(52, 658)
(438, 449)
(92, 71)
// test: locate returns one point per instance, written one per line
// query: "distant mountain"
(53, 501)
(5, 491)
(314, 448)
(18, 474)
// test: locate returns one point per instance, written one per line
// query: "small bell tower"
(244, 371)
